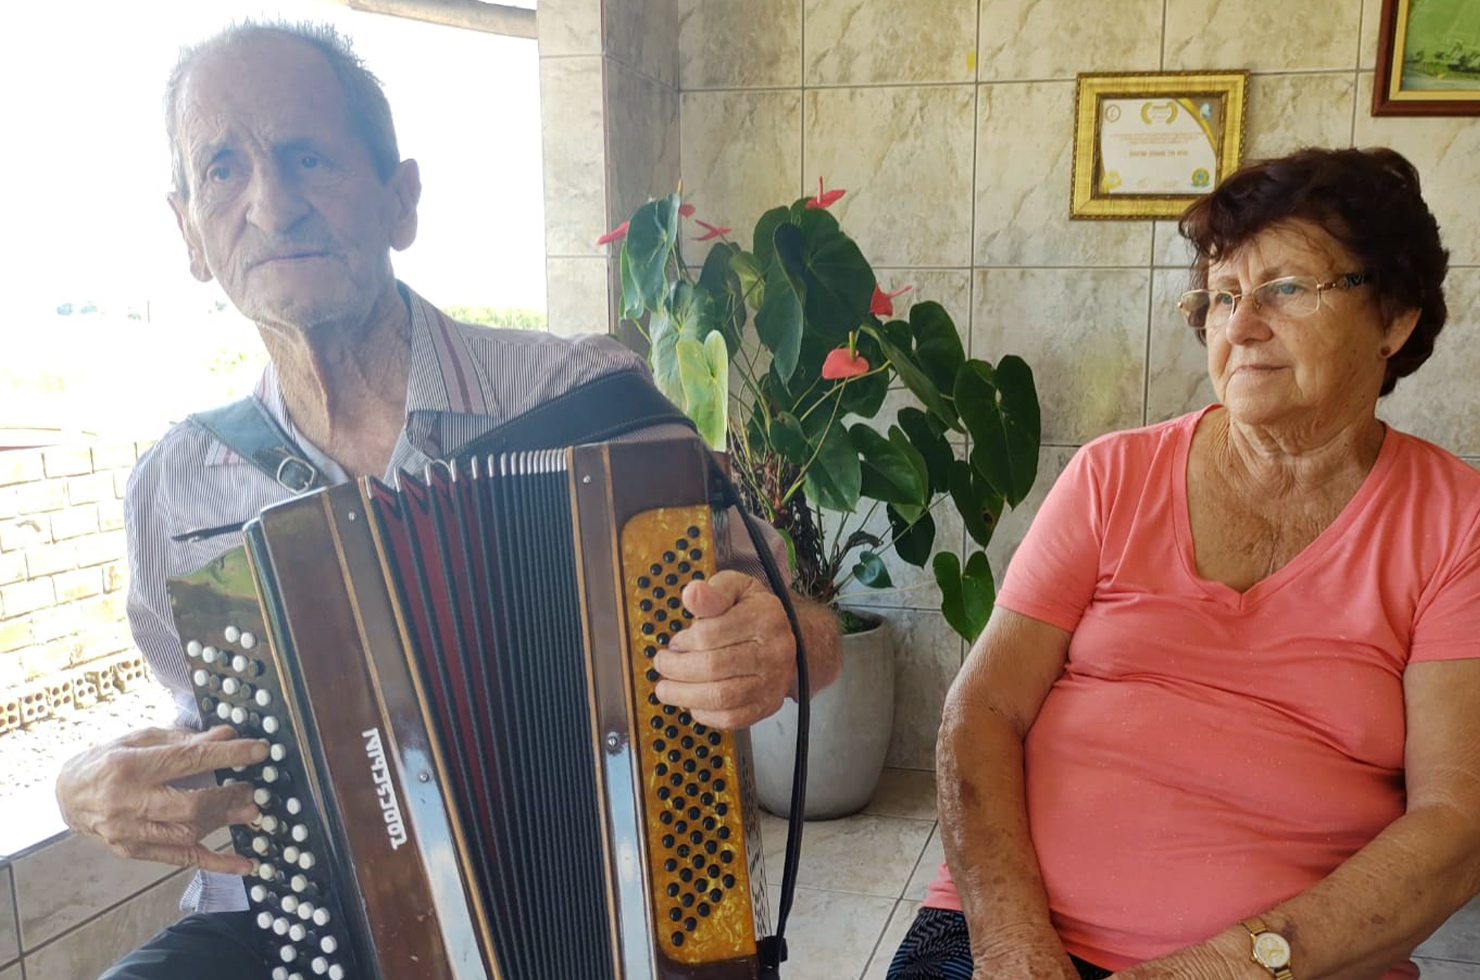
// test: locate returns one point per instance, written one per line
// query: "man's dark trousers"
(209, 946)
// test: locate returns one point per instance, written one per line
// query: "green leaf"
(889, 474)
(719, 281)
(902, 443)
(916, 379)
(751, 274)
(765, 235)
(930, 441)
(829, 273)
(632, 308)
(834, 478)
(652, 233)
(966, 598)
(913, 539)
(979, 505)
(870, 571)
(1004, 430)
(692, 311)
(937, 344)
(778, 323)
(663, 358)
(790, 439)
(704, 371)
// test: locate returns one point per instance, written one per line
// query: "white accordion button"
(261, 845)
(248, 641)
(293, 806)
(280, 926)
(277, 753)
(201, 678)
(208, 654)
(329, 944)
(262, 797)
(306, 860)
(320, 965)
(230, 686)
(307, 911)
(239, 664)
(264, 697)
(258, 893)
(192, 649)
(298, 884)
(264, 920)
(269, 822)
(321, 919)
(232, 634)
(290, 903)
(223, 711)
(280, 973)
(238, 716)
(269, 774)
(266, 871)
(269, 724)
(297, 933)
(288, 953)
(290, 854)
(336, 972)
(300, 833)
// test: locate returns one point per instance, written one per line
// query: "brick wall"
(62, 571)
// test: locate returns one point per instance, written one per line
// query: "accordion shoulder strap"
(612, 405)
(246, 429)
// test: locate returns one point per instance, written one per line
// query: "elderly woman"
(1225, 720)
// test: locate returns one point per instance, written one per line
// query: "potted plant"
(801, 328)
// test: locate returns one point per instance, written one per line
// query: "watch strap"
(1256, 927)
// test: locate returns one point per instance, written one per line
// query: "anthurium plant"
(801, 327)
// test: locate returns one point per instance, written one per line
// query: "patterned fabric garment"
(463, 381)
(937, 947)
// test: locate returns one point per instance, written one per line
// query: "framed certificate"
(1148, 145)
(1428, 59)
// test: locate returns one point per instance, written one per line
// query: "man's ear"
(405, 183)
(198, 267)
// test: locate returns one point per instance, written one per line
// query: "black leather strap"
(246, 429)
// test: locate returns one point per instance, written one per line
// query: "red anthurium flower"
(825, 199)
(843, 363)
(615, 234)
(710, 231)
(687, 210)
(883, 303)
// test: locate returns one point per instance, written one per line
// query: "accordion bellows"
(470, 775)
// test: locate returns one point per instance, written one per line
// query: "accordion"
(469, 775)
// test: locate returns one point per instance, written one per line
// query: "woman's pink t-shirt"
(1207, 754)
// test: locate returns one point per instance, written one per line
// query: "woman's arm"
(1387, 898)
(983, 812)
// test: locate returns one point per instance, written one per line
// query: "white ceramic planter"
(851, 722)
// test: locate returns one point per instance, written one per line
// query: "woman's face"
(1313, 371)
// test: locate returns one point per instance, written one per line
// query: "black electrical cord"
(773, 948)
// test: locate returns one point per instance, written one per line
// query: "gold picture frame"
(1146, 145)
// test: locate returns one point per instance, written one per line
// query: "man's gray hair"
(369, 112)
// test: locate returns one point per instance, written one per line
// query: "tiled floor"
(863, 877)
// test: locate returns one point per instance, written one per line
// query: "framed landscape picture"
(1428, 59)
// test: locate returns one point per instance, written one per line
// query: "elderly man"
(290, 191)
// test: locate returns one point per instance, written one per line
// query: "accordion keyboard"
(236, 684)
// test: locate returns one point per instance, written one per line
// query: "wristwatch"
(1270, 949)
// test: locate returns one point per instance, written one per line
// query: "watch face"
(1271, 950)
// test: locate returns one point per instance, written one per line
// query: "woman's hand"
(1036, 962)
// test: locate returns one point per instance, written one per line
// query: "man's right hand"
(120, 793)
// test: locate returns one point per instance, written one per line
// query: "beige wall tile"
(1038, 39)
(926, 868)
(1025, 157)
(1082, 331)
(642, 141)
(1445, 969)
(577, 293)
(741, 156)
(739, 43)
(1287, 112)
(12, 972)
(899, 924)
(643, 34)
(1444, 149)
(87, 951)
(1178, 371)
(1260, 35)
(865, 855)
(860, 42)
(927, 654)
(904, 793)
(1473, 461)
(1371, 21)
(568, 27)
(913, 587)
(68, 882)
(1015, 523)
(1438, 402)
(829, 934)
(10, 943)
(1170, 248)
(909, 183)
(575, 154)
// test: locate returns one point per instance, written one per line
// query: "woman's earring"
(1384, 351)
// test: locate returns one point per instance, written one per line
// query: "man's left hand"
(735, 662)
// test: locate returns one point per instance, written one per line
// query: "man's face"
(285, 207)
